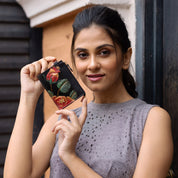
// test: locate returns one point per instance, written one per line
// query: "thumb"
(83, 114)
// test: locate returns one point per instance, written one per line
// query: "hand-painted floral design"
(50, 93)
(60, 85)
(73, 94)
(63, 86)
(62, 101)
(53, 75)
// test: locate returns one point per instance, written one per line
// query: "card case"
(61, 84)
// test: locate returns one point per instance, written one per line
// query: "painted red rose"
(53, 75)
(62, 101)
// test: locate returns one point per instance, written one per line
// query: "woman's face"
(98, 61)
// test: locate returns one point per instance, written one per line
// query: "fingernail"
(57, 112)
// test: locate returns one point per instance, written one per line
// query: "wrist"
(68, 158)
(28, 99)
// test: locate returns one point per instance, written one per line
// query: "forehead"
(93, 35)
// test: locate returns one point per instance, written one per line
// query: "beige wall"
(57, 37)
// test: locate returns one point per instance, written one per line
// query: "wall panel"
(16, 48)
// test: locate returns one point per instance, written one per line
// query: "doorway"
(157, 58)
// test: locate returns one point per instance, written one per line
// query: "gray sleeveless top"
(110, 139)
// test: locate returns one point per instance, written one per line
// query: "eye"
(104, 52)
(82, 55)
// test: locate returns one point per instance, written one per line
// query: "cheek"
(113, 66)
(80, 67)
(114, 69)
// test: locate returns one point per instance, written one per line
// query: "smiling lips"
(95, 77)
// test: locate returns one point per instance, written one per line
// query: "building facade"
(152, 27)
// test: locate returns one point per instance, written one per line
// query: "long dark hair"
(111, 21)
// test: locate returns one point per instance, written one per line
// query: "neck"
(113, 95)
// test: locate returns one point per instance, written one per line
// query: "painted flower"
(62, 101)
(53, 75)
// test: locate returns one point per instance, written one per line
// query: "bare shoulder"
(158, 119)
(158, 127)
(159, 113)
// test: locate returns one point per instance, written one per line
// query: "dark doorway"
(170, 69)
(157, 58)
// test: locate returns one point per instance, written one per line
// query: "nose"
(93, 63)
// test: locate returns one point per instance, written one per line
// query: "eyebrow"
(105, 45)
(99, 47)
(80, 49)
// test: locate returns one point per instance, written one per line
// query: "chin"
(94, 89)
(98, 88)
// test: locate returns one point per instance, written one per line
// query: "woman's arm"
(156, 150)
(21, 160)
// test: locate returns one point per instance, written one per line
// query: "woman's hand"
(69, 131)
(29, 76)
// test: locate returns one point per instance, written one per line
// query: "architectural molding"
(41, 11)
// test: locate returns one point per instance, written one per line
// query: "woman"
(116, 135)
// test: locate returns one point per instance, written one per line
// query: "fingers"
(45, 62)
(82, 98)
(35, 70)
(49, 59)
(44, 65)
(75, 121)
(32, 71)
(63, 125)
(70, 114)
(37, 67)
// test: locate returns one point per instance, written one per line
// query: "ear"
(127, 58)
